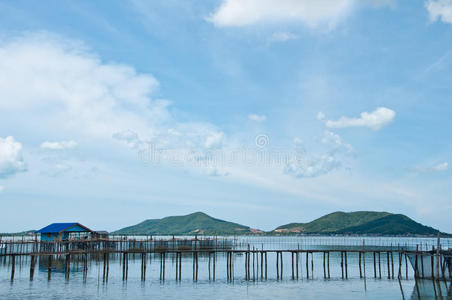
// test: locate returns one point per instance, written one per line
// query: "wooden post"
(389, 268)
(359, 262)
(262, 265)
(266, 265)
(214, 259)
(123, 265)
(324, 266)
(432, 260)
(68, 262)
(346, 265)
(364, 263)
(379, 264)
(49, 268)
(297, 261)
(127, 265)
(406, 266)
(392, 264)
(416, 269)
(281, 265)
(375, 266)
(328, 256)
(438, 247)
(342, 264)
(13, 266)
(194, 265)
(277, 265)
(32, 267)
(254, 275)
(307, 264)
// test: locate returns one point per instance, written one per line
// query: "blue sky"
(259, 112)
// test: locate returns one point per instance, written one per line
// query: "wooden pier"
(255, 260)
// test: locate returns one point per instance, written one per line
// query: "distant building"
(100, 234)
(64, 231)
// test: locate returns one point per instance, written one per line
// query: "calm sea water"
(316, 287)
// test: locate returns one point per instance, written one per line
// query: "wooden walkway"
(255, 260)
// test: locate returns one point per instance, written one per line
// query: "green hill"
(360, 222)
(391, 225)
(195, 223)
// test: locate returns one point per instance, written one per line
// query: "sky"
(260, 112)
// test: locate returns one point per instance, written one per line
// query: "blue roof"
(59, 227)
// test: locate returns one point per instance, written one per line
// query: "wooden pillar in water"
(359, 262)
(307, 264)
(277, 265)
(324, 265)
(209, 265)
(328, 256)
(416, 268)
(346, 265)
(364, 263)
(266, 265)
(392, 264)
(194, 254)
(406, 266)
(214, 259)
(432, 260)
(389, 269)
(32, 267)
(379, 264)
(342, 264)
(293, 267)
(375, 265)
(49, 268)
(262, 265)
(254, 274)
(297, 261)
(123, 265)
(281, 265)
(13, 266)
(68, 265)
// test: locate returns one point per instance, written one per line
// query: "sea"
(309, 284)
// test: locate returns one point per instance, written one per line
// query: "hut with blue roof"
(64, 231)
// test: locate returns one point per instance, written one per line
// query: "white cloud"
(374, 120)
(303, 165)
(257, 118)
(2, 188)
(283, 37)
(312, 13)
(335, 142)
(440, 167)
(88, 96)
(59, 145)
(214, 140)
(320, 116)
(11, 160)
(312, 167)
(439, 10)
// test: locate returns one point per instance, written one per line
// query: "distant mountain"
(360, 223)
(195, 223)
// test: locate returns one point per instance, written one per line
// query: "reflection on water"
(427, 289)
